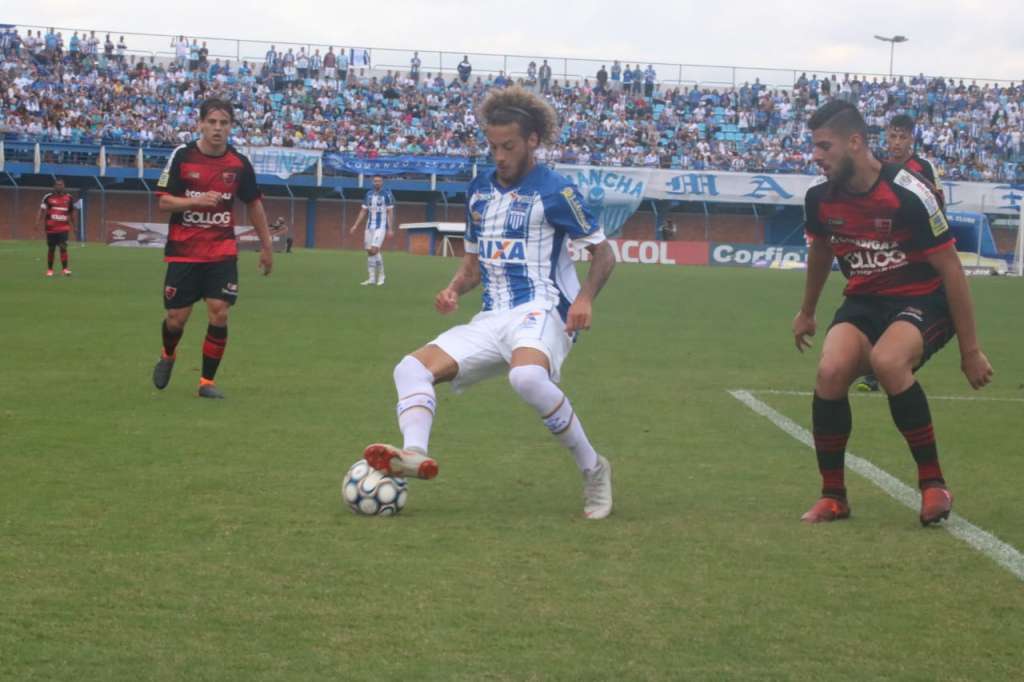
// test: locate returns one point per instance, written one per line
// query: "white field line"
(772, 391)
(1003, 554)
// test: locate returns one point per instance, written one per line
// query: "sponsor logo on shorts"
(531, 319)
(169, 292)
(915, 313)
(230, 288)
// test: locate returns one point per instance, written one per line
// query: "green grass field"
(149, 535)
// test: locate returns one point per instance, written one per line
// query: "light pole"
(892, 47)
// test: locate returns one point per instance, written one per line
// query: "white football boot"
(597, 490)
(403, 463)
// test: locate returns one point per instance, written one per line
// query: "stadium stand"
(86, 90)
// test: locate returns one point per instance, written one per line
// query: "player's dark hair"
(518, 105)
(216, 104)
(902, 122)
(841, 117)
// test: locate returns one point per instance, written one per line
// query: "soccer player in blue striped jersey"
(520, 220)
(379, 212)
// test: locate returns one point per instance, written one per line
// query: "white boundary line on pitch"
(1002, 553)
(775, 391)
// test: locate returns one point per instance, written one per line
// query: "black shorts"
(186, 283)
(56, 239)
(872, 315)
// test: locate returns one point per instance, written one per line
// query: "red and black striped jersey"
(57, 208)
(882, 238)
(200, 236)
(922, 167)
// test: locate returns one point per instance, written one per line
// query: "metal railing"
(570, 69)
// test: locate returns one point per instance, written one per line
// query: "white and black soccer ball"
(369, 492)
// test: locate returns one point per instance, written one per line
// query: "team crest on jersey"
(229, 177)
(503, 250)
(169, 292)
(883, 226)
(192, 175)
(836, 222)
(518, 215)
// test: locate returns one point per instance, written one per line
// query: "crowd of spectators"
(91, 90)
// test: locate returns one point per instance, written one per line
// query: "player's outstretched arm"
(259, 221)
(819, 265)
(602, 262)
(466, 278)
(973, 362)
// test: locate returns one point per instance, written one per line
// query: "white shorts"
(373, 238)
(483, 348)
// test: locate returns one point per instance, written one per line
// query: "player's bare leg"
(893, 358)
(213, 346)
(844, 357)
(530, 376)
(171, 330)
(415, 377)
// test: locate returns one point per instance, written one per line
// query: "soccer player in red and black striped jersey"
(905, 297)
(57, 217)
(198, 187)
(899, 142)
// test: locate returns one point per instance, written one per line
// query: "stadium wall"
(333, 217)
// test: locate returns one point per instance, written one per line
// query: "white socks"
(375, 266)
(534, 385)
(416, 403)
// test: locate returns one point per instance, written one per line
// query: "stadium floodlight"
(892, 46)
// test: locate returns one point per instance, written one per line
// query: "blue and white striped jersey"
(377, 205)
(521, 236)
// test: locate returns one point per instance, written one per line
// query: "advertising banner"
(397, 165)
(282, 162)
(154, 235)
(650, 252)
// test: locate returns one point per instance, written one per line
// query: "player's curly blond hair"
(518, 105)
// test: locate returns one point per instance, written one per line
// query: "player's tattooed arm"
(466, 278)
(973, 362)
(602, 262)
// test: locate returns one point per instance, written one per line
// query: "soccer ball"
(369, 492)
